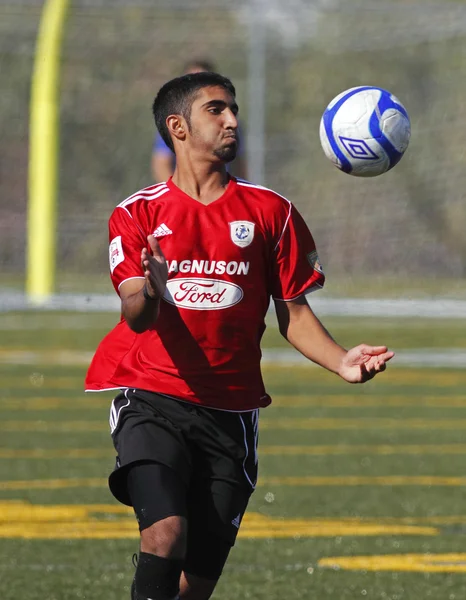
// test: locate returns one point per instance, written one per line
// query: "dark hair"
(176, 97)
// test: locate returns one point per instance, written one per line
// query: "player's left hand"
(364, 362)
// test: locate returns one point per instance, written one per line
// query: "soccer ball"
(365, 131)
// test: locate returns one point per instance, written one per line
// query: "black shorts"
(214, 453)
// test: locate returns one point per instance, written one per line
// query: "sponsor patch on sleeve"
(313, 260)
(115, 253)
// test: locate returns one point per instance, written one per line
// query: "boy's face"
(214, 125)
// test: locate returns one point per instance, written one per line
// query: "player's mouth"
(231, 138)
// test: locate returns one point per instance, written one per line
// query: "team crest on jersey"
(313, 260)
(242, 233)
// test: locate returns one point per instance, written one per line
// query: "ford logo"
(202, 294)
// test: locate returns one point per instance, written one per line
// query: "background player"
(195, 261)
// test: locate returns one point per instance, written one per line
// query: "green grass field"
(361, 491)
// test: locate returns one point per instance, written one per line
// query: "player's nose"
(231, 122)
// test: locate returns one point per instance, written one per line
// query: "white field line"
(434, 307)
(429, 357)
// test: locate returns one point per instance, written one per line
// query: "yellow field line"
(54, 426)
(96, 401)
(440, 520)
(330, 401)
(360, 424)
(127, 529)
(53, 484)
(35, 521)
(45, 358)
(26, 511)
(51, 403)
(426, 378)
(37, 380)
(380, 401)
(319, 450)
(317, 481)
(431, 563)
(63, 453)
(325, 450)
(350, 480)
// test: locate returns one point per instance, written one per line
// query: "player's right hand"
(155, 268)
(364, 362)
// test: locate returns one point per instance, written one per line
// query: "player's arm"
(140, 298)
(300, 326)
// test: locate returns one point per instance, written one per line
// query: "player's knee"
(166, 538)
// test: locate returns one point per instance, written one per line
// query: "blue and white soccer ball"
(365, 131)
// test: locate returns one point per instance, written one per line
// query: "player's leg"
(224, 473)
(193, 587)
(158, 495)
(152, 474)
(206, 556)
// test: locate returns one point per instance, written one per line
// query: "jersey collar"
(229, 191)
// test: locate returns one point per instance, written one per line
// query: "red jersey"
(225, 260)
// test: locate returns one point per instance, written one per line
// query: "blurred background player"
(163, 159)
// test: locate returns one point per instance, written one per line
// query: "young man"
(195, 261)
(163, 159)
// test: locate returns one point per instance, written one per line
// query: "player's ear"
(176, 126)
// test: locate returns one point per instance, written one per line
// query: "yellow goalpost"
(43, 154)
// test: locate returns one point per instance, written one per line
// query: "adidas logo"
(237, 521)
(162, 230)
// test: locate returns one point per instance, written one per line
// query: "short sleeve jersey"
(225, 260)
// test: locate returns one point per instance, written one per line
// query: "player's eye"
(214, 110)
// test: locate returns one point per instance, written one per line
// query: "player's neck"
(204, 184)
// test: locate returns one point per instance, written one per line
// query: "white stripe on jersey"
(106, 390)
(146, 194)
(128, 278)
(261, 187)
(245, 183)
(284, 226)
(140, 197)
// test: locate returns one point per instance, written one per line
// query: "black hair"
(176, 97)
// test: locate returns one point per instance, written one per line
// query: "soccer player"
(195, 261)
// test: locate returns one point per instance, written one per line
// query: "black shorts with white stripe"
(213, 452)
